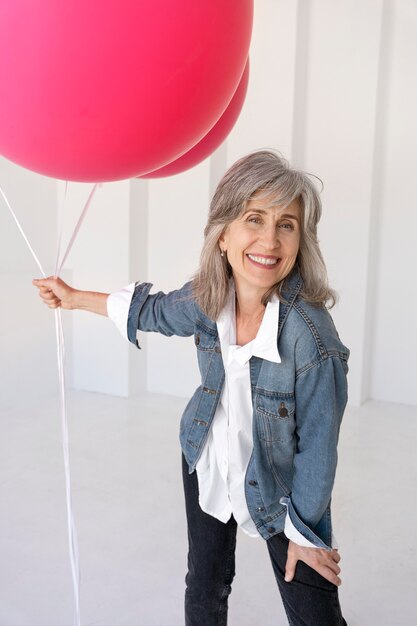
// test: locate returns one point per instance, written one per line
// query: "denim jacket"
(298, 404)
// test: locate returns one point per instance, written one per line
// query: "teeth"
(262, 260)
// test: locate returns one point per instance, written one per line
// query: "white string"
(61, 213)
(77, 228)
(72, 531)
(22, 233)
(60, 343)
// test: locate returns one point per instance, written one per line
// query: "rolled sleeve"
(140, 294)
(170, 313)
(307, 538)
(294, 535)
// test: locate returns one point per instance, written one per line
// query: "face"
(262, 245)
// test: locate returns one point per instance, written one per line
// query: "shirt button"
(270, 529)
(253, 483)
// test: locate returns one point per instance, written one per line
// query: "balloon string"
(22, 232)
(72, 531)
(77, 227)
(61, 213)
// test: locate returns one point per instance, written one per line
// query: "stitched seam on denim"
(200, 324)
(289, 304)
(202, 349)
(278, 479)
(329, 526)
(312, 328)
(308, 367)
(305, 368)
(272, 518)
(288, 395)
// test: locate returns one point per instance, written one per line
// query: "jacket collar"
(290, 289)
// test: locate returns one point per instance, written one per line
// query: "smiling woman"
(263, 191)
(262, 246)
(259, 436)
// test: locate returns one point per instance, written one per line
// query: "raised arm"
(56, 293)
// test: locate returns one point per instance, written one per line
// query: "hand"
(321, 560)
(55, 293)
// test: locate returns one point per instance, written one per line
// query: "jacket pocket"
(275, 417)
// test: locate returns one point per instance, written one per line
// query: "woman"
(259, 436)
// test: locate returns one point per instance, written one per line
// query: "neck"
(249, 306)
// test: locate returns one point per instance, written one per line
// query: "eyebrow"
(263, 212)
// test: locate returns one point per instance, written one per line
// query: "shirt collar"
(263, 346)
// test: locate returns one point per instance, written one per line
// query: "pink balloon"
(214, 137)
(96, 91)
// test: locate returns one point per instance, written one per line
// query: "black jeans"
(309, 600)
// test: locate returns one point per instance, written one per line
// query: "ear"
(222, 238)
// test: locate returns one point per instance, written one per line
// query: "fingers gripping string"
(72, 531)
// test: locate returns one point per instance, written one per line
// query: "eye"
(287, 226)
(254, 219)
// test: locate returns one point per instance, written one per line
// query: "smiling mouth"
(262, 260)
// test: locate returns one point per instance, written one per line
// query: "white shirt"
(222, 466)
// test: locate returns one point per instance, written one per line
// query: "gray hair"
(261, 174)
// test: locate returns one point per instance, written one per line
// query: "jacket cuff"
(297, 531)
(294, 535)
(139, 297)
(118, 304)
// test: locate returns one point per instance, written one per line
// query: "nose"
(269, 237)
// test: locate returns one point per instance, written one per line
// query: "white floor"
(128, 506)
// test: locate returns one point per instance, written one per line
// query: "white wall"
(393, 371)
(339, 132)
(177, 214)
(332, 87)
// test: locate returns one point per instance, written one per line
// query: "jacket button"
(283, 411)
(197, 340)
(270, 529)
(253, 483)
(260, 509)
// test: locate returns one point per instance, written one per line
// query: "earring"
(221, 252)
